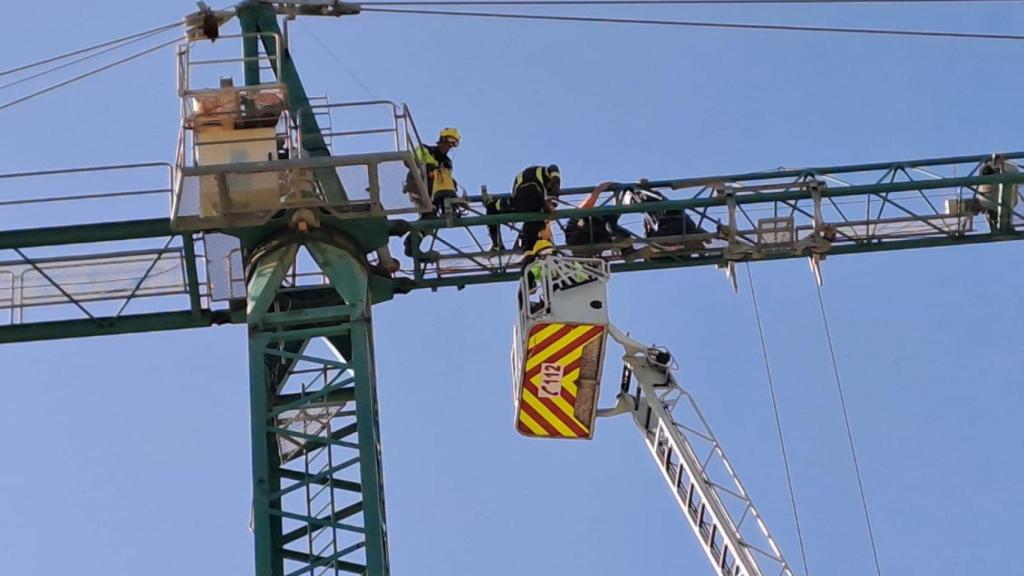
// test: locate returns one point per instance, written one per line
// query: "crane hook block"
(558, 346)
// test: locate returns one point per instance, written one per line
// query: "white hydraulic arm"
(719, 510)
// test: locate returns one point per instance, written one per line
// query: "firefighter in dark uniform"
(581, 234)
(534, 190)
(670, 223)
(988, 198)
(438, 166)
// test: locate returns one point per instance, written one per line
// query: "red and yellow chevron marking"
(547, 400)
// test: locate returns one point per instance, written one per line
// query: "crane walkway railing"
(764, 215)
(90, 218)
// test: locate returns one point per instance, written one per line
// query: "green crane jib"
(269, 228)
(891, 211)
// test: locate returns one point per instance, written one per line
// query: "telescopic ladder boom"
(714, 502)
(558, 347)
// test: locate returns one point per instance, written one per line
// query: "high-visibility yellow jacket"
(439, 170)
(540, 249)
(544, 248)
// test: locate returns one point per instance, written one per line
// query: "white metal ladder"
(729, 528)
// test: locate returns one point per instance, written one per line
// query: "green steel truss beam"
(750, 217)
(318, 504)
(863, 208)
(195, 316)
(86, 233)
(110, 326)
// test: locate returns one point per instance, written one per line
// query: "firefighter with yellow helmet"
(533, 269)
(438, 167)
(441, 183)
(541, 248)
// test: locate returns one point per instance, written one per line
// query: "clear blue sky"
(130, 455)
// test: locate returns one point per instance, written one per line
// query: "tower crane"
(279, 224)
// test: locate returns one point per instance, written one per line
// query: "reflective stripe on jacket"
(534, 175)
(439, 169)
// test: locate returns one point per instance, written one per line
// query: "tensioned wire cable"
(698, 24)
(512, 3)
(87, 74)
(656, 2)
(849, 431)
(339, 61)
(144, 33)
(778, 419)
(370, 8)
(84, 58)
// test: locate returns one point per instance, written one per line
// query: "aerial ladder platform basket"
(559, 345)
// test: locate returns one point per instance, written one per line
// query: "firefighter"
(438, 166)
(534, 190)
(532, 269)
(670, 223)
(541, 247)
(441, 183)
(989, 195)
(582, 233)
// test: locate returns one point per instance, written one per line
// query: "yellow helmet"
(451, 134)
(541, 244)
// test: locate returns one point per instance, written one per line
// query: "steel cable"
(86, 74)
(656, 2)
(144, 33)
(339, 61)
(778, 419)
(849, 432)
(82, 59)
(698, 24)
